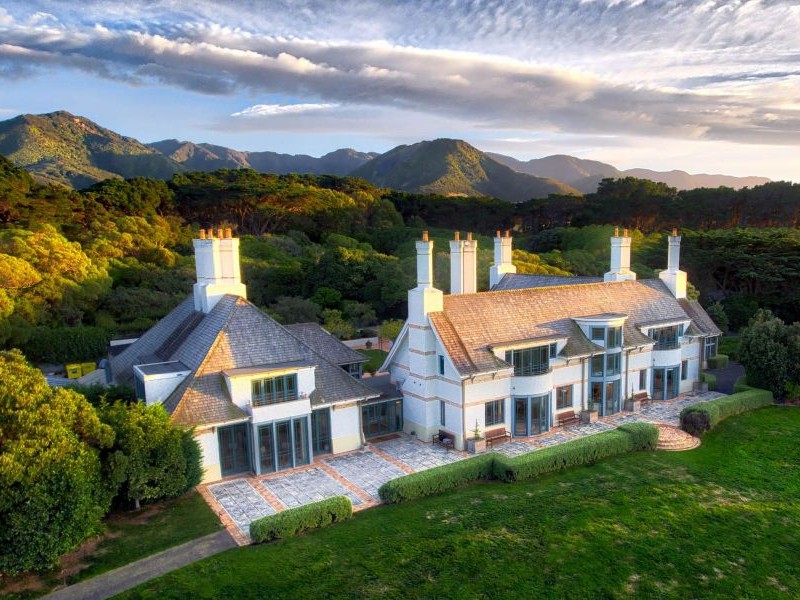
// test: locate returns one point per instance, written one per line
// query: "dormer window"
(353, 369)
(667, 338)
(598, 334)
(273, 390)
(530, 361)
(614, 337)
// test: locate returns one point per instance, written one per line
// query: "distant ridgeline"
(116, 256)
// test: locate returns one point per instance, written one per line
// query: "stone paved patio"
(241, 501)
(304, 487)
(365, 469)
(418, 455)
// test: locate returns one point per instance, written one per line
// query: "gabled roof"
(234, 335)
(700, 317)
(334, 351)
(515, 281)
(470, 323)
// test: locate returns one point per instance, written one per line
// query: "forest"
(78, 268)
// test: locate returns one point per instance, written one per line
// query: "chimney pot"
(457, 236)
(498, 233)
(469, 236)
(616, 231)
(220, 233)
(425, 236)
(228, 233)
(508, 233)
(202, 234)
(625, 233)
(674, 232)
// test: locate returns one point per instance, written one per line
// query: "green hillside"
(63, 148)
(455, 168)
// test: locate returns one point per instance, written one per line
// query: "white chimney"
(463, 265)
(424, 298)
(502, 259)
(217, 267)
(620, 258)
(457, 264)
(673, 277)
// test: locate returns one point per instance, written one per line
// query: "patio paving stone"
(241, 501)
(305, 487)
(365, 469)
(417, 455)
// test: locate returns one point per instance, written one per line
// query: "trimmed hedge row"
(583, 451)
(628, 438)
(303, 518)
(438, 479)
(720, 361)
(704, 416)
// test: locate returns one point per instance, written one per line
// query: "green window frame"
(613, 363)
(442, 420)
(614, 337)
(495, 413)
(667, 338)
(529, 361)
(274, 390)
(598, 334)
(598, 365)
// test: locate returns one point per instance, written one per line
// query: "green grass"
(719, 521)
(376, 358)
(130, 536)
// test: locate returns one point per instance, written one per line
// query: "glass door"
(521, 416)
(266, 449)
(321, 431)
(658, 384)
(234, 449)
(612, 398)
(540, 415)
(666, 383)
(283, 434)
(300, 442)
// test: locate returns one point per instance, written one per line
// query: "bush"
(438, 479)
(704, 416)
(710, 379)
(583, 451)
(303, 518)
(66, 344)
(720, 361)
(741, 385)
(729, 345)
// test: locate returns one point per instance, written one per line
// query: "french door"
(234, 449)
(531, 415)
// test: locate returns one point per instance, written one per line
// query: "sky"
(707, 87)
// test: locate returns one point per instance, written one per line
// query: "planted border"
(710, 379)
(294, 521)
(628, 438)
(720, 361)
(704, 416)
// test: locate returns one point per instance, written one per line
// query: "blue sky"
(707, 86)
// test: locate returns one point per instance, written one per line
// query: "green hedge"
(66, 344)
(438, 479)
(741, 385)
(704, 416)
(710, 379)
(720, 361)
(303, 518)
(583, 451)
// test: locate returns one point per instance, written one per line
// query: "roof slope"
(235, 334)
(515, 281)
(471, 323)
(331, 349)
(700, 317)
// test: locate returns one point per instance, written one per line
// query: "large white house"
(534, 347)
(263, 397)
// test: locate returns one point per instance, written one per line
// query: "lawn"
(376, 358)
(128, 536)
(720, 521)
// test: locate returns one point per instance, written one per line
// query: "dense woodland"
(79, 267)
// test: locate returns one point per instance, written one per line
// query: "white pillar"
(457, 265)
(470, 266)
(620, 269)
(502, 259)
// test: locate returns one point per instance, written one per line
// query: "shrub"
(729, 345)
(720, 361)
(438, 479)
(710, 379)
(303, 518)
(583, 451)
(66, 344)
(704, 416)
(741, 385)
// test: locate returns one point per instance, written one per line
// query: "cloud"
(664, 68)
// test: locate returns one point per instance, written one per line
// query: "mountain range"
(71, 150)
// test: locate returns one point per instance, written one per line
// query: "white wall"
(240, 387)
(209, 446)
(345, 427)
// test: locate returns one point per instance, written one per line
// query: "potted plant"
(476, 443)
(633, 404)
(590, 412)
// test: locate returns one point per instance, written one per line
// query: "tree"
(149, 456)
(293, 309)
(336, 325)
(52, 495)
(770, 353)
(717, 313)
(389, 330)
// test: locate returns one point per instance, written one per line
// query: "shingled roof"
(314, 336)
(700, 317)
(470, 324)
(515, 281)
(235, 334)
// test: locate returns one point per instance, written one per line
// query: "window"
(643, 379)
(354, 369)
(598, 334)
(139, 387)
(711, 347)
(564, 397)
(667, 338)
(613, 363)
(553, 350)
(614, 337)
(530, 361)
(684, 370)
(274, 390)
(495, 413)
(441, 365)
(441, 413)
(597, 365)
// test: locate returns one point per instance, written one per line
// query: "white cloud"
(271, 110)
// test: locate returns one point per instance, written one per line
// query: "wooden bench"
(567, 418)
(495, 435)
(444, 438)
